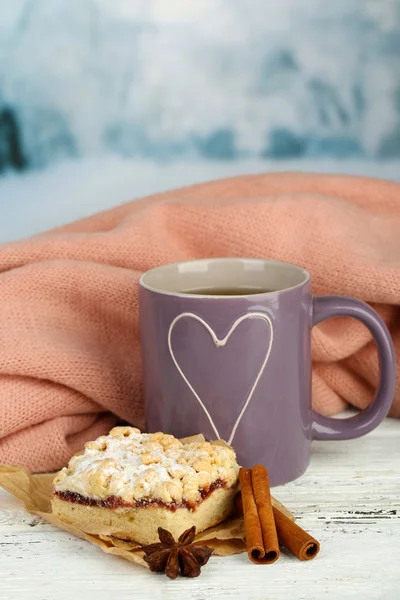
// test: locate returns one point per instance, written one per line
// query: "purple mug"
(226, 347)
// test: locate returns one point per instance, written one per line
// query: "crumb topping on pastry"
(139, 466)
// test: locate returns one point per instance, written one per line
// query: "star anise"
(171, 557)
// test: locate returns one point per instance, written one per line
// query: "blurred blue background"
(105, 100)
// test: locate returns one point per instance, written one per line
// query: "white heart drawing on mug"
(220, 343)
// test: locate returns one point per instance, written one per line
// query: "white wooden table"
(349, 499)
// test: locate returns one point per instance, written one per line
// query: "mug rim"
(186, 263)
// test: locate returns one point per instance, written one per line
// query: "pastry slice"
(127, 484)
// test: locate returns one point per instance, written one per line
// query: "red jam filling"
(117, 502)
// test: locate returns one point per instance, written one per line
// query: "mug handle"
(327, 428)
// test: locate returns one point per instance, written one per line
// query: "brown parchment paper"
(34, 491)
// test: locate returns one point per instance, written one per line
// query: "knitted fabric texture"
(69, 338)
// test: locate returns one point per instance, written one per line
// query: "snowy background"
(106, 100)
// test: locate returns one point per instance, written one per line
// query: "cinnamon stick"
(261, 537)
(294, 538)
(262, 495)
(290, 535)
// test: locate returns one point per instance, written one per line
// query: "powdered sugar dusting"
(142, 466)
